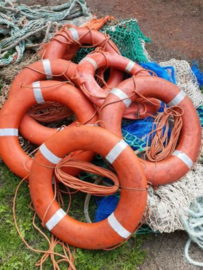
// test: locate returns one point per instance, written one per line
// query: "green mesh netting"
(200, 113)
(127, 36)
(129, 39)
(81, 54)
(133, 141)
(145, 229)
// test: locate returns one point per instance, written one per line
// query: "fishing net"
(8, 73)
(24, 27)
(198, 73)
(167, 73)
(166, 202)
(186, 80)
(132, 140)
(192, 220)
(128, 37)
(200, 113)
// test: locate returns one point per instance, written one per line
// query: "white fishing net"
(168, 201)
(193, 224)
(186, 80)
(149, 58)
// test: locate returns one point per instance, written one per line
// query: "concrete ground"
(175, 26)
(166, 252)
(176, 30)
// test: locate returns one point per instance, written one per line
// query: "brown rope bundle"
(75, 183)
(49, 112)
(161, 145)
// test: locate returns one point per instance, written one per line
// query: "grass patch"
(15, 256)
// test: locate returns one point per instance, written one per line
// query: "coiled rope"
(193, 224)
(22, 25)
(161, 145)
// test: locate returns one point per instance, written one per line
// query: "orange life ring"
(38, 71)
(68, 40)
(17, 105)
(179, 163)
(87, 83)
(119, 225)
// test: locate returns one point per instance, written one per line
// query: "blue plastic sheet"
(161, 72)
(106, 206)
(199, 75)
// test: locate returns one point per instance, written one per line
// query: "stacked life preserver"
(32, 74)
(15, 108)
(56, 78)
(66, 43)
(87, 83)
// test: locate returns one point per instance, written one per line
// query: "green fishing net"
(127, 36)
(200, 113)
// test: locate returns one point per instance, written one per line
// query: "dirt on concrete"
(166, 252)
(175, 26)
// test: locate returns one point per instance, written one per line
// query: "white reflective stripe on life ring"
(122, 95)
(60, 128)
(117, 227)
(37, 92)
(130, 66)
(92, 125)
(187, 160)
(90, 60)
(48, 154)
(116, 151)
(54, 220)
(47, 68)
(74, 33)
(180, 96)
(8, 132)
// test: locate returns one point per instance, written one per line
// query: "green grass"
(15, 256)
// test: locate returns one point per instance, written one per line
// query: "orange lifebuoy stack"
(15, 108)
(86, 81)
(69, 39)
(99, 110)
